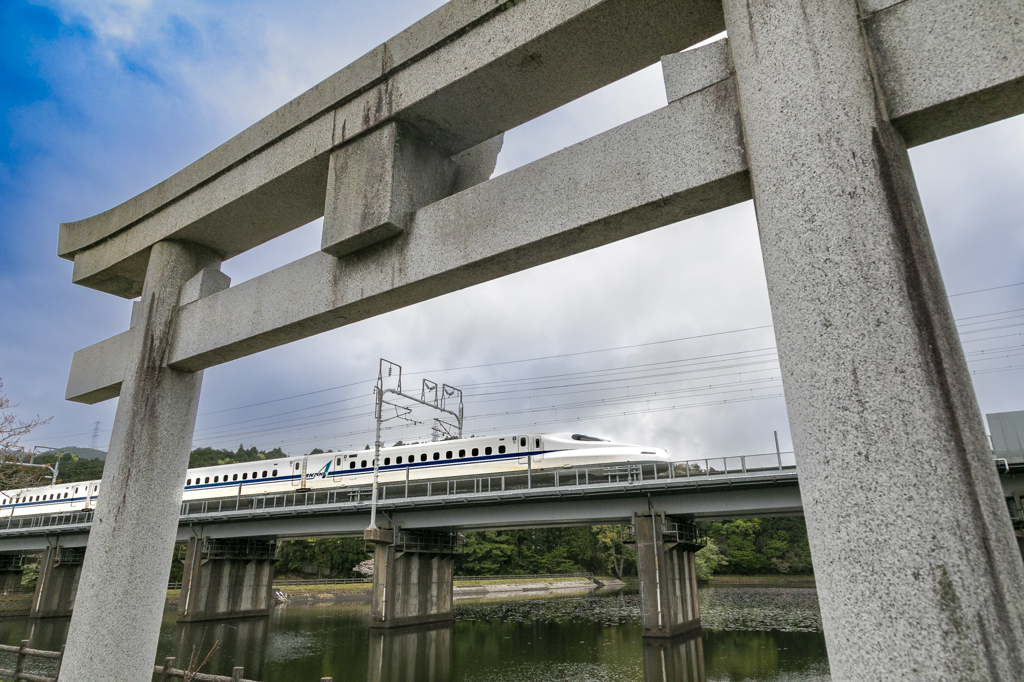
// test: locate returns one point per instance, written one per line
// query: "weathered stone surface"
(206, 282)
(874, 373)
(517, 62)
(376, 182)
(124, 578)
(946, 66)
(97, 370)
(687, 72)
(687, 159)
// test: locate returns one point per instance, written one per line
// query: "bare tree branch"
(12, 429)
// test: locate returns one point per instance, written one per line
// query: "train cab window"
(501, 449)
(352, 464)
(522, 442)
(476, 451)
(216, 479)
(423, 457)
(462, 453)
(487, 450)
(448, 455)
(363, 464)
(245, 476)
(437, 455)
(264, 474)
(272, 473)
(207, 479)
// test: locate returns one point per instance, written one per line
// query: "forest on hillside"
(736, 547)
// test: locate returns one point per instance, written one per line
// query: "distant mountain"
(85, 453)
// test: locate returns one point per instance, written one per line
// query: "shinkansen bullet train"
(444, 459)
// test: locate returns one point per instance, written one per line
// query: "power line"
(978, 291)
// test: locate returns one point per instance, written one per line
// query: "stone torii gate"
(808, 108)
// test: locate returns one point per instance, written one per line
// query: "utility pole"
(429, 397)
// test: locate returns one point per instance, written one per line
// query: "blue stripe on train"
(360, 471)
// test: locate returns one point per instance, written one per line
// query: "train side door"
(299, 472)
(527, 448)
(336, 466)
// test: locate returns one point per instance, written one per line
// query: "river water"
(750, 633)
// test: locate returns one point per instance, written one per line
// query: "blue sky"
(101, 100)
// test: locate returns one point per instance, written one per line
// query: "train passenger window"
(476, 451)
(448, 455)
(245, 476)
(207, 479)
(487, 450)
(522, 442)
(437, 455)
(501, 449)
(188, 482)
(264, 474)
(235, 477)
(216, 479)
(51, 496)
(254, 474)
(272, 473)
(363, 464)
(352, 464)
(462, 453)
(423, 457)
(65, 495)
(399, 460)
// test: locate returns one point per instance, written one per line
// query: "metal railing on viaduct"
(754, 485)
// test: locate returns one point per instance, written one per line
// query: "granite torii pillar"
(916, 567)
(124, 580)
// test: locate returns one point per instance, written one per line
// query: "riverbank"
(17, 604)
(764, 580)
(463, 589)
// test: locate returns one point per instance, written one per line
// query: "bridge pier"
(59, 571)
(415, 653)
(229, 578)
(412, 577)
(668, 579)
(680, 659)
(10, 572)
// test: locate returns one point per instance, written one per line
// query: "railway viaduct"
(807, 107)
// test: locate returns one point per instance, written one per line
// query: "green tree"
(707, 561)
